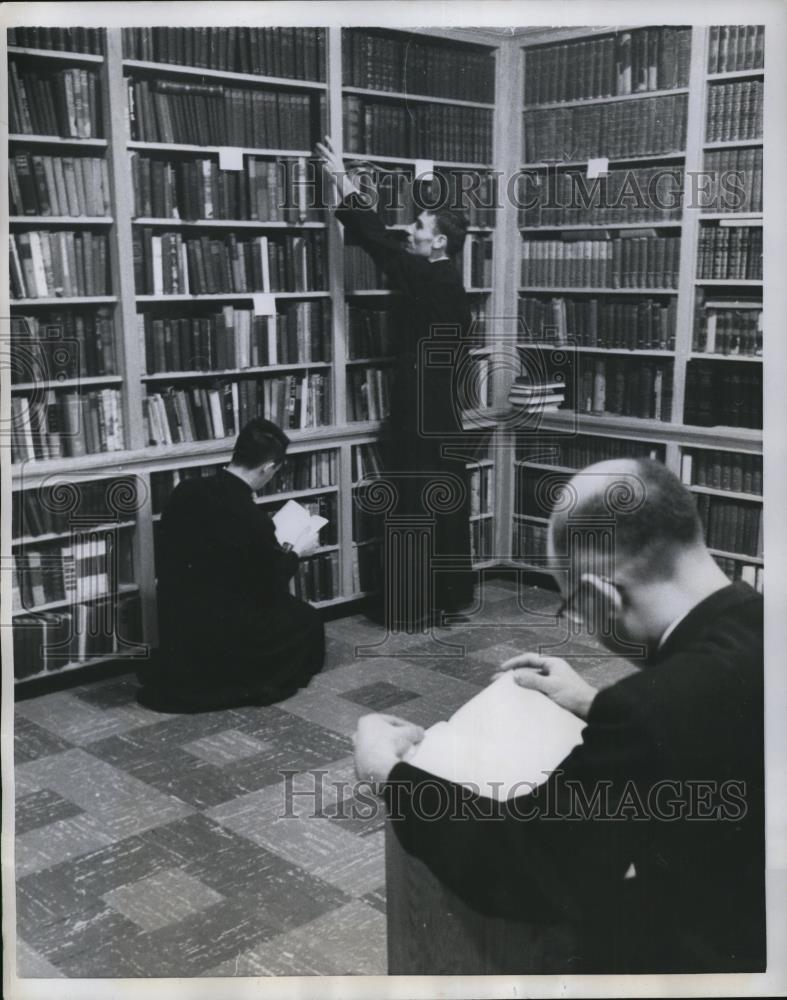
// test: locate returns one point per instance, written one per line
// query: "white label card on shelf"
(264, 304)
(424, 170)
(598, 167)
(230, 158)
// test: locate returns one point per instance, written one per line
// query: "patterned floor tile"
(226, 747)
(40, 808)
(74, 719)
(161, 899)
(55, 842)
(32, 741)
(31, 965)
(380, 696)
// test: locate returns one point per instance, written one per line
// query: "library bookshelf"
(173, 198)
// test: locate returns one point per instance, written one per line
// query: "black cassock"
(230, 632)
(426, 398)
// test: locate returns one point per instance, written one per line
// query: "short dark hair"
(655, 516)
(452, 224)
(260, 441)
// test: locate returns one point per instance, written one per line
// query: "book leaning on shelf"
(66, 424)
(58, 185)
(58, 264)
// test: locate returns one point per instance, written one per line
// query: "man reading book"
(230, 632)
(649, 835)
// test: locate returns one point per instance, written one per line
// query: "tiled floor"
(230, 843)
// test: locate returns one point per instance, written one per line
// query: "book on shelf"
(723, 393)
(64, 345)
(476, 261)
(568, 198)
(212, 114)
(482, 490)
(83, 40)
(66, 424)
(58, 263)
(37, 511)
(732, 253)
(292, 52)
(64, 103)
(736, 47)
(438, 131)
(370, 331)
(361, 273)
(407, 63)
(220, 409)
(735, 111)
(368, 393)
(722, 470)
(171, 264)
(652, 126)
(620, 386)
(294, 523)
(729, 327)
(536, 397)
(736, 175)
(235, 338)
(266, 190)
(367, 461)
(635, 324)
(581, 450)
(628, 62)
(731, 525)
(366, 567)
(58, 185)
(636, 259)
(317, 578)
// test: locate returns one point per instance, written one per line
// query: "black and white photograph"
(392, 412)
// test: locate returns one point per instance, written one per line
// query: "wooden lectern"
(431, 932)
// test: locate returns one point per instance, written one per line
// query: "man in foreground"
(230, 632)
(667, 784)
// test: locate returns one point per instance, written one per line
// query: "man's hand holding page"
(553, 677)
(380, 742)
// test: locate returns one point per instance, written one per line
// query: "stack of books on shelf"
(639, 324)
(722, 470)
(296, 53)
(65, 103)
(730, 253)
(294, 402)
(734, 111)
(652, 126)
(64, 345)
(368, 393)
(568, 198)
(737, 179)
(58, 185)
(723, 393)
(66, 424)
(266, 190)
(169, 264)
(370, 332)
(736, 47)
(59, 263)
(202, 114)
(629, 62)
(634, 260)
(536, 397)
(84, 40)
(730, 327)
(731, 525)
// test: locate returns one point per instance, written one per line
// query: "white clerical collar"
(671, 628)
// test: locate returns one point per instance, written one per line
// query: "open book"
(506, 734)
(293, 523)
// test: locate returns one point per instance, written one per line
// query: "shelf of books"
(639, 292)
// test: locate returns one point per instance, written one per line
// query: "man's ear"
(440, 241)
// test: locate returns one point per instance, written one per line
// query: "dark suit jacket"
(675, 752)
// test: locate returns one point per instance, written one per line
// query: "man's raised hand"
(553, 677)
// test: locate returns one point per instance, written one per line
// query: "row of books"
(63, 345)
(88, 40)
(408, 64)
(58, 185)
(734, 111)
(736, 570)
(237, 338)
(730, 525)
(530, 540)
(729, 331)
(360, 270)
(53, 264)
(733, 252)
(48, 509)
(482, 490)
(568, 198)
(367, 461)
(296, 53)
(82, 568)
(482, 539)
(578, 451)
(49, 641)
(436, 131)
(626, 261)
(66, 424)
(281, 190)
(723, 393)
(476, 261)
(735, 47)
(370, 332)
(317, 578)
(214, 115)
(368, 393)
(650, 126)
(722, 470)
(630, 62)
(171, 264)
(306, 470)
(64, 103)
(626, 387)
(738, 173)
(397, 195)
(198, 413)
(643, 324)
